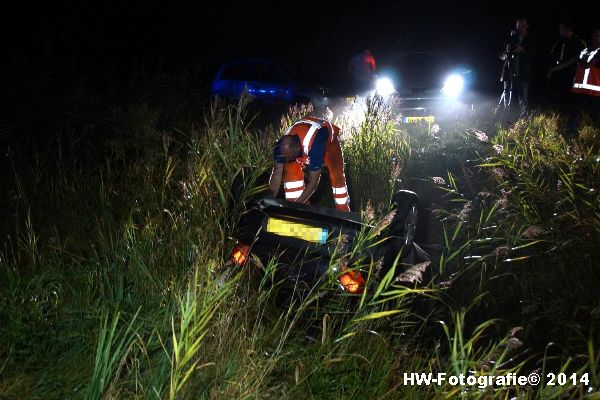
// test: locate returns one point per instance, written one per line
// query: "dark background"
(75, 39)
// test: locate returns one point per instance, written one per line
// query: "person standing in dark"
(518, 54)
(568, 46)
(362, 67)
(586, 85)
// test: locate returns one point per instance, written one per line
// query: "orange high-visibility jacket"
(306, 130)
(293, 177)
(587, 80)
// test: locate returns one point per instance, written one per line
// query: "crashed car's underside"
(312, 242)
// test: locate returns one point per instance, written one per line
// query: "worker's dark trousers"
(581, 103)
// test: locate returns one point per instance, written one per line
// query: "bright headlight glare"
(453, 86)
(384, 86)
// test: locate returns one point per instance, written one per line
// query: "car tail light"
(353, 282)
(239, 254)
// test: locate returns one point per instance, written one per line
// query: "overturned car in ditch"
(310, 243)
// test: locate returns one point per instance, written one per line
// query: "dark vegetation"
(116, 221)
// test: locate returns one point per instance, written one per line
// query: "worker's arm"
(311, 186)
(528, 47)
(275, 179)
(563, 65)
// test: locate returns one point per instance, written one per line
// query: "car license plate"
(297, 230)
(411, 120)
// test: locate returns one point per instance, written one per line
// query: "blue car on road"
(266, 81)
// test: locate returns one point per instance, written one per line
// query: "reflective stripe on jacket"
(587, 80)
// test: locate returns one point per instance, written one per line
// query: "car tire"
(406, 220)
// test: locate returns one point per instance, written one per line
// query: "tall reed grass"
(114, 282)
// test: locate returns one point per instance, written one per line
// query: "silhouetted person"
(518, 53)
(568, 46)
(362, 67)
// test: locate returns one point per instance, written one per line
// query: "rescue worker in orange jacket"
(586, 84)
(310, 142)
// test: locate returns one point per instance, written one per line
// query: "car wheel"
(406, 220)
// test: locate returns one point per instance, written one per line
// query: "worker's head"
(522, 26)
(289, 147)
(566, 29)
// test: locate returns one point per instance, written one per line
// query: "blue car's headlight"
(453, 85)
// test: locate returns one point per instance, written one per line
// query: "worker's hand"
(519, 48)
(311, 186)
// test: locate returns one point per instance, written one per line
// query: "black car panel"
(307, 258)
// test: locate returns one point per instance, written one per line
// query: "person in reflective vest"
(312, 143)
(586, 85)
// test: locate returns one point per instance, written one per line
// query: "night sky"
(81, 38)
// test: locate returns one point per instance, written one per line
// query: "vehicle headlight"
(384, 86)
(453, 85)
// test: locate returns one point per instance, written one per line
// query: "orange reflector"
(352, 281)
(239, 254)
